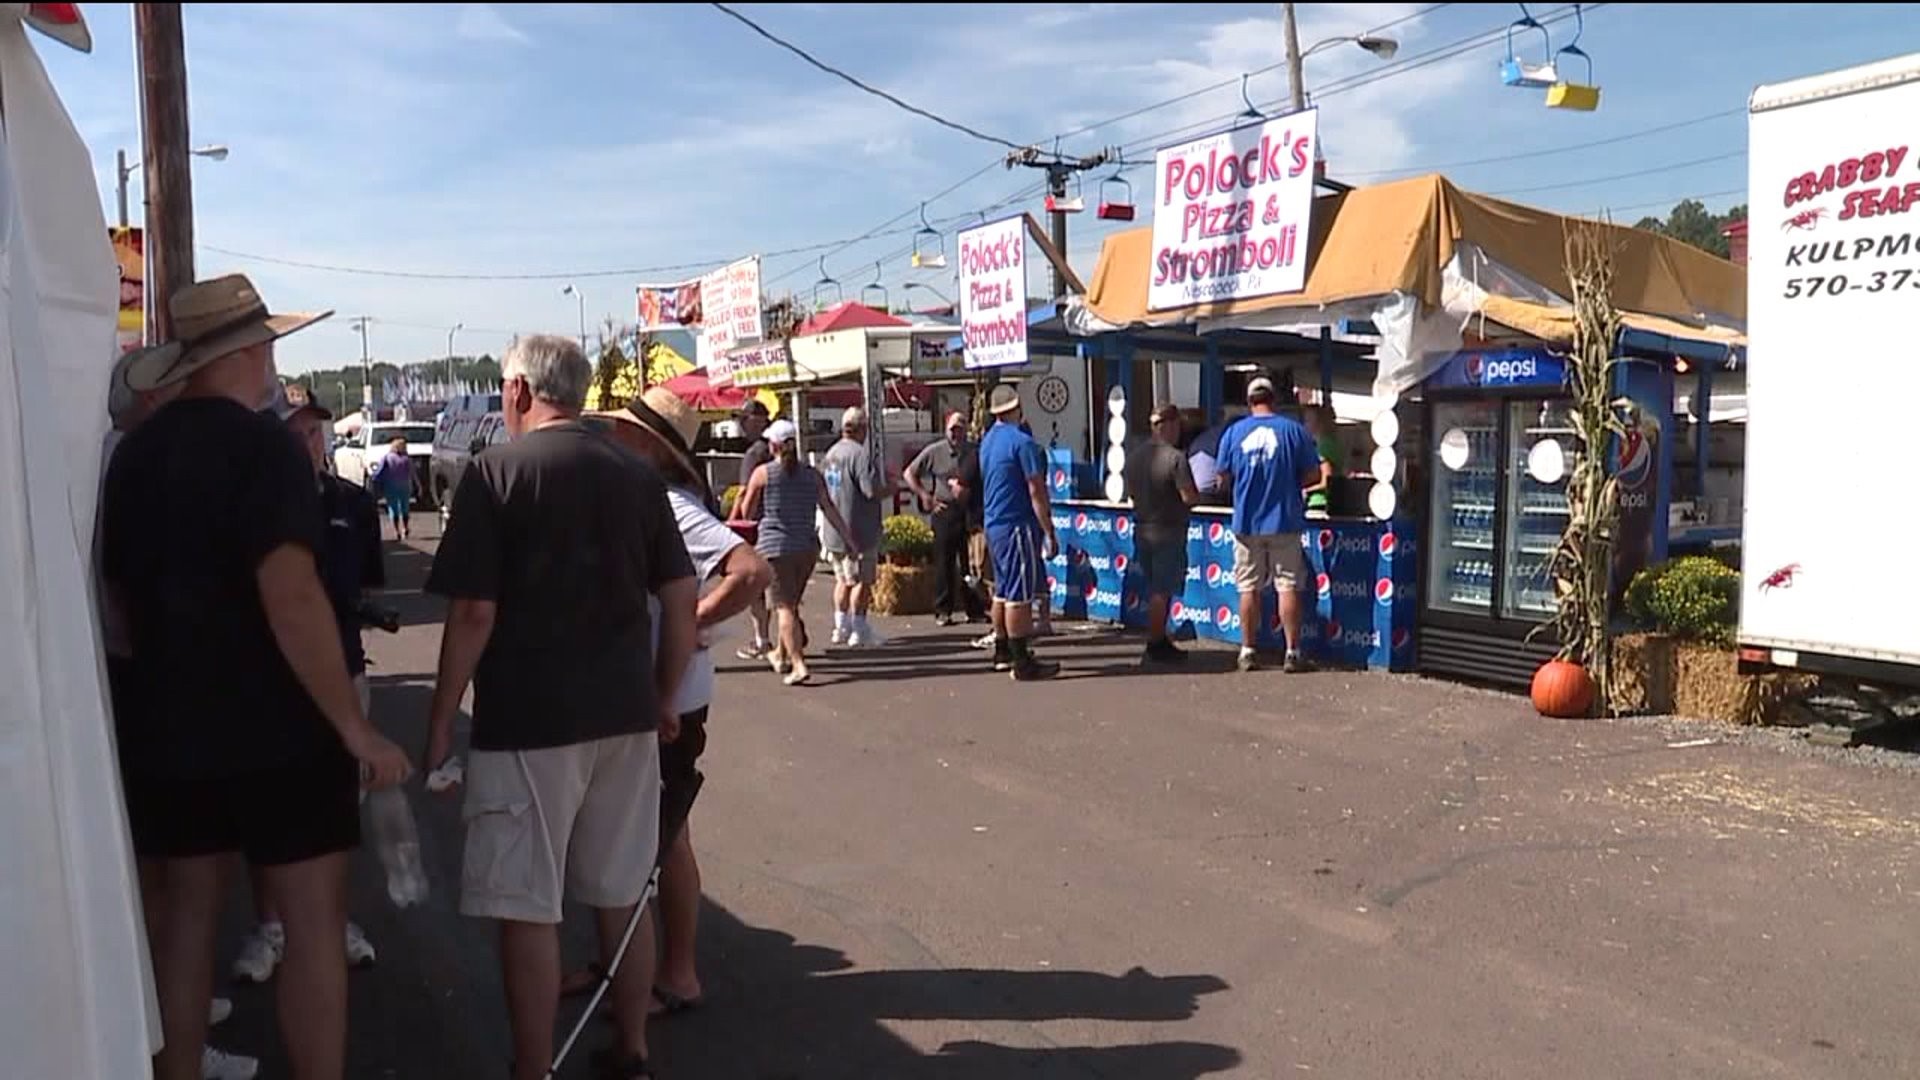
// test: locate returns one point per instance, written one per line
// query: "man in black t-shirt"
(249, 737)
(557, 539)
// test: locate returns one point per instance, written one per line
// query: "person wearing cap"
(249, 737)
(351, 563)
(1268, 459)
(560, 547)
(782, 496)
(857, 487)
(936, 476)
(1160, 485)
(1020, 538)
(661, 428)
(754, 418)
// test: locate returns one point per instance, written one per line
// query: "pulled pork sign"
(1230, 213)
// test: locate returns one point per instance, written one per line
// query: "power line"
(1622, 176)
(1548, 151)
(874, 90)
(1668, 202)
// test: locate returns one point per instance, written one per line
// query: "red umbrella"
(697, 390)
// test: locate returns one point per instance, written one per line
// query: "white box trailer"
(1829, 582)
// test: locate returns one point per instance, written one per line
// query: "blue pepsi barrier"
(1361, 581)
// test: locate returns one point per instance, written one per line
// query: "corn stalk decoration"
(1582, 563)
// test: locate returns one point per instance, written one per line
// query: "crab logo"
(1780, 579)
(1120, 561)
(1388, 543)
(1324, 586)
(1383, 591)
(1123, 525)
(1214, 573)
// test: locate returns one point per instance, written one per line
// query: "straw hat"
(661, 414)
(211, 319)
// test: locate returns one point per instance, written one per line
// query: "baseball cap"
(1259, 384)
(293, 399)
(782, 431)
(854, 416)
(1004, 399)
(754, 407)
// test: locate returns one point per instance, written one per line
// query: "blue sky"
(569, 139)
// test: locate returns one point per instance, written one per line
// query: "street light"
(457, 327)
(1381, 47)
(215, 152)
(578, 295)
(911, 285)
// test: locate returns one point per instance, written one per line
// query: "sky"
(522, 148)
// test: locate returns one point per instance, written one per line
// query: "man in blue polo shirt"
(1268, 458)
(1019, 525)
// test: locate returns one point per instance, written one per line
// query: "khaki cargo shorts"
(848, 570)
(581, 821)
(1260, 561)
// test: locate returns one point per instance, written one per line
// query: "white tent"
(73, 958)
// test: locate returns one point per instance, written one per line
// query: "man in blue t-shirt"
(1019, 524)
(1268, 459)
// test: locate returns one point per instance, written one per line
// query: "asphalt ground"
(918, 870)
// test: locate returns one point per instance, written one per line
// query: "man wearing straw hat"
(250, 736)
(661, 428)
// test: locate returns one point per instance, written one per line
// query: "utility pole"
(161, 45)
(360, 323)
(1059, 170)
(1296, 82)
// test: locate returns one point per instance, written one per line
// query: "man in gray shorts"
(557, 539)
(1268, 458)
(857, 486)
(1160, 485)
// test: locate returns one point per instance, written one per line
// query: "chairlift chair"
(1581, 97)
(870, 291)
(1116, 199)
(1515, 71)
(929, 247)
(822, 299)
(1072, 202)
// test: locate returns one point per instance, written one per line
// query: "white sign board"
(1230, 213)
(767, 364)
(993, 293)
(731, 299)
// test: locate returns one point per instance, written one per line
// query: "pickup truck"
(353, 458)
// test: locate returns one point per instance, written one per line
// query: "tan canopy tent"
(1422, 259)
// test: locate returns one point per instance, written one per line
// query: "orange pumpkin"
(1562, 689)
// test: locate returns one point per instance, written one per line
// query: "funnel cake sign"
(1230, 213)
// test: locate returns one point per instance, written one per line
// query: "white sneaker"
(359, 949)
(220, 1065)
(865, 637)
(984, 641)
(218, 1013)
(840, 636)
(261, 953)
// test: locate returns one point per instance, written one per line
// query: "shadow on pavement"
(406, 574)
(778, 1008)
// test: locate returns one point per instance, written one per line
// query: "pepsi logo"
(1636, 458)
(1475, 368)
(1326, 539)
(1089, 589)
(1080, 522)
(1133, 601)
(1324, 586)
(1052, 583)
(1123, 526)
(1121, 562)
(1388, 542)
(1216, 533)
(1060, 478)
(1176, 610)
(1383, 590)
(1225, 619)
(1401, 638)
(1079, 557)
(1333, 630)
(1213, 573)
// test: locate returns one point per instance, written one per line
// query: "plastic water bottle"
(390, 819)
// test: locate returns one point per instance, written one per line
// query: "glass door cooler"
(1498, 448)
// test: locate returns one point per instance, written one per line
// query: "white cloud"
(481, 22)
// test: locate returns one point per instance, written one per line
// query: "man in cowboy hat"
(559, 546)
(661, 428)
(250, 737)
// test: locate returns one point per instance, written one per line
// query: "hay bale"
(1643, 675)
(1709, 686)
(904, 590)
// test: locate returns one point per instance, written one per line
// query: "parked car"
(353, 459)
(470, 424)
